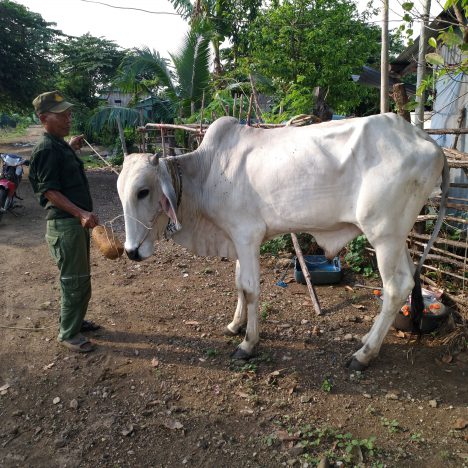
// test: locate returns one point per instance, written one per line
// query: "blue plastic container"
(321, 270)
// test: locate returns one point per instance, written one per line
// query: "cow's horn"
(154, 159)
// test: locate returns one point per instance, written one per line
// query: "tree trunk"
(421, 70)
(384, 60)
(122, 137)
(401, 99)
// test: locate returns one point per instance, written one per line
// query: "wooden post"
(460, 121)
(122, 136)
(234, 105)
(421, 70)
(384, 60)
(250, 109)
(202, 110)
(401, 99)
(305, 271)
(258, 111)
(163, 143)
(241, 105)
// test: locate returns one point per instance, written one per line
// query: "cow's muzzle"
(134, 255)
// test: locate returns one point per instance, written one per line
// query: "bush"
(358, 258)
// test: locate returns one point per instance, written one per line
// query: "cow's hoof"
(228, 332)
(239, 353)
(355, 365)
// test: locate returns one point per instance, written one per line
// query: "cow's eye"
(142, 194)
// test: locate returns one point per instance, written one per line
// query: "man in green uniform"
(58, 179)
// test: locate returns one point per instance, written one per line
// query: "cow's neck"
(174, 169)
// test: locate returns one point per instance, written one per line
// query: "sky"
(131, 28)
(128, 28)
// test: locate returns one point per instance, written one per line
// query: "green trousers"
(69, 246)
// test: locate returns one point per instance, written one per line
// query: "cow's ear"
(154, 160)
(168, 198)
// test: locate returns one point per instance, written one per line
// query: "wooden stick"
(201, 112)
(163, 143)
(447, 131)
(305, 271)
(234, 105)
(156, 126)
(250, 109)
(460, 120)
(258, 111)
(401, 99)
(241, 105)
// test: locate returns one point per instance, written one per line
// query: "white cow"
(245, 185)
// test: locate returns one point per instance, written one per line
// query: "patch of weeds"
(392, 425)
(270, 440)
(265, 310)
(416, 437)
(91, 162)
(358, 258)
(445, 455)
(248, 367)
(327, 385)
(211, 353)
(274, 246)
(336, 446)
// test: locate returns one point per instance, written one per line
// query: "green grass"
(92, 162)
(10, 135)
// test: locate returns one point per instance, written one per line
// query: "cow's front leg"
(240, 315)
(248, 283)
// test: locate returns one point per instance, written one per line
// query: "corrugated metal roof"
(371, 77)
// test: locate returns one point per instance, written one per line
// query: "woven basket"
(107, 243)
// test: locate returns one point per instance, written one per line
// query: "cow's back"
(320, 174)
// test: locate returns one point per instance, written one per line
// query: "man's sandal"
(88, 326)
(78, 344)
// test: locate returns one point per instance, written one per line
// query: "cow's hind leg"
(240, 315)
(413, 269)
(396, 270)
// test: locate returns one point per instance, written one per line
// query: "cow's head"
(146, 191)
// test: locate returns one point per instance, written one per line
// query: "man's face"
(57, 124)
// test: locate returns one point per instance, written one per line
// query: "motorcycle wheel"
(3, 197)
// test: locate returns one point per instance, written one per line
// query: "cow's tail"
(417, 302)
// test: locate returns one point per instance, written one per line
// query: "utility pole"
(421, 70)
(384, 101)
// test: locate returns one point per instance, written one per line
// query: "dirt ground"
(162, 391)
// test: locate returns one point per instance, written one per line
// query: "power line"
(131, 8)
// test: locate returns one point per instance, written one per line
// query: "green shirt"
(55, 166)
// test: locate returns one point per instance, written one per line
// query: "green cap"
(52, 101)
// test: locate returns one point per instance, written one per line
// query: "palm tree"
(145, 72)
(209, 15)
(175, 91)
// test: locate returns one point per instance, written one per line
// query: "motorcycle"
(10, 178)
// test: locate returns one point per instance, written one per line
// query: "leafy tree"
(87, 65)
(26, 65)
(304, 43)
(220, 19)
(452, 34)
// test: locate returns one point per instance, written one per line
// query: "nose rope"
(148, 229)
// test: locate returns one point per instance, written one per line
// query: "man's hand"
(88, 220)
(76, 142)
